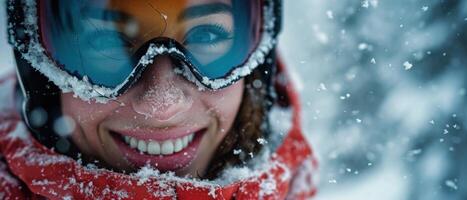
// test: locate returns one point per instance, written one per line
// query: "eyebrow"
(203, 10)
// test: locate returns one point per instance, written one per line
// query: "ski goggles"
(98, 49)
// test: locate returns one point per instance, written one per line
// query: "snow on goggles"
(98, 49)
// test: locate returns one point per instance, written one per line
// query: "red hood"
(52, 175)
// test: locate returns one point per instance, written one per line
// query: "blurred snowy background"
(383, 87)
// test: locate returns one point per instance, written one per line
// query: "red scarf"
(30, 170)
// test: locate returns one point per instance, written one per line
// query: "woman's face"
(163, 120)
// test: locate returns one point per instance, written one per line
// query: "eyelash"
(225, 34)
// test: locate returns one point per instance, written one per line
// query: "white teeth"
(142, 146)
(190, 137)
(154, 148)
(133, 142)
(127, 139)
(165, 147)
(178, 145)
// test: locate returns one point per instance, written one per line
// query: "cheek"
(87, 117)
(79, 110)
(226, 103)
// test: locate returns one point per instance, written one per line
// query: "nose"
(161, 94)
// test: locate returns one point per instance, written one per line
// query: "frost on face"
(160, 98)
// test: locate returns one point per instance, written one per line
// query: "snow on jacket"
(29, 170)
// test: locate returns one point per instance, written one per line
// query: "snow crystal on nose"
(161, 98)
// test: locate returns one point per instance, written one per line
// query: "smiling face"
(163, 120)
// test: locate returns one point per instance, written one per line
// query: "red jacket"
(28, 170)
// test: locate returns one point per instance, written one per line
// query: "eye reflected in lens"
(208, 42)
(98, 39)
(220, 36)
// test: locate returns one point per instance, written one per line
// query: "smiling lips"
(168, 151)
(166, 147)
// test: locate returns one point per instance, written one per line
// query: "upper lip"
(157, 134)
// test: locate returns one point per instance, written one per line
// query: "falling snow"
(407, 65)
